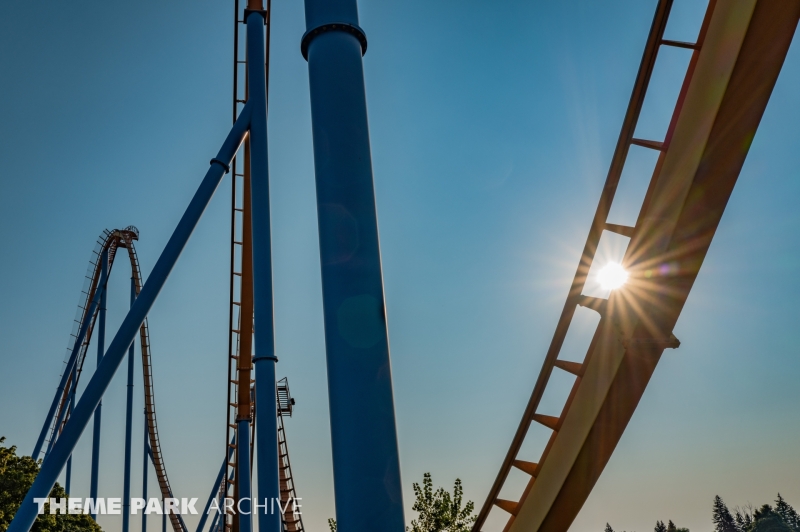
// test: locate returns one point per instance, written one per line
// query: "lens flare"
(612, 276)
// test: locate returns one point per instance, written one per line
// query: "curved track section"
(112, 241)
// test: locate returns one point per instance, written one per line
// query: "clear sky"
(492, 127)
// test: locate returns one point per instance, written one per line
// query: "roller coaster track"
(734, 66)
(240, 382)
(112, 241)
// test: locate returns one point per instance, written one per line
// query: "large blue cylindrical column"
(264, 358)
(364, 436)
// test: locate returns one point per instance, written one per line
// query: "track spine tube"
(366, 466)
(264, 359)
(126, 481)
(101, 338)
(53, 464)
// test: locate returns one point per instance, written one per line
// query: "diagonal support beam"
(52, 466)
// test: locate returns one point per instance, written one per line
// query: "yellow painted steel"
(726, 31)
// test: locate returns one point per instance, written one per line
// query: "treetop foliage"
(16, 476)
(781, 518)
(439, 511)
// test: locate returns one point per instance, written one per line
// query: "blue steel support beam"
(215, 488)
(264, 359)
(366, 466)
(243, 477)
(126, 481)
(54, 463)
(101, 286)
(101, 340)
(145, 461)
(72, 394)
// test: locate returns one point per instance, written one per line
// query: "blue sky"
(492, 127)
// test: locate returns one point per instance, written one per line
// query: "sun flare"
(612, 276)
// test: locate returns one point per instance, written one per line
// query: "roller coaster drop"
(91, 314)
(734, 65)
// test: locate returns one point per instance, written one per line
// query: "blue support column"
(215, 488)
(366, 466)
(145, 461)
(53, 464)
(126, 481)
(72, 395)
(101, 339)
(264, 359)
(243, 477)
(68, 480)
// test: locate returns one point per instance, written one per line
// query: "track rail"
(113, 241)
(654, 41)
(734, 65)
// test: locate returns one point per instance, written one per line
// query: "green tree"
(787, 513)
(765, 519)
(672, 528)
(744, 518)
(723, 520)
(608, 528)
(16, 476)
(438, 511)
(661, 527)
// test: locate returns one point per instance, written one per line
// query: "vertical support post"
(72, 393)
(264, 359)
(243, 486)
(163, 516)
(126, 481)
(145, 460)
(215, 489)
(52, 466)
(101, 339)
(243, 477)
(68, 480)
(245, 361)
(366, 466)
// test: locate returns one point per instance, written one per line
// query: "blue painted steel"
(215, 488)
(163, 517)
(363, 432)
(264, 359)
(72, 394)
(126, 480)
(214, 523)
(54, 463)
(101, 286)
(145, 460)
(68, 480)
(243, 477)
(101, 340)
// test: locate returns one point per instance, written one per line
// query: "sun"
(612, 276)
